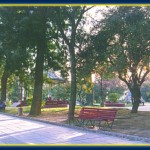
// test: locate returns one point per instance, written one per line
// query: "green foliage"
(29, 100)
(8, 103)
(113, 97)
(13, 90)
(61, 91)
(70, 20)
(108, 86)
(43, 103)
(12, 49)
(124, 40)
(145, 90)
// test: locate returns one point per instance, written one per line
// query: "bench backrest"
(97, 113)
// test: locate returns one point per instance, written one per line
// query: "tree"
(29, 39)
(41, 49)
(13, 54)
(40, 38)
(123, 38)
(89, 64)
(68, 20)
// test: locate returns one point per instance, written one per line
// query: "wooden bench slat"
(96, 114)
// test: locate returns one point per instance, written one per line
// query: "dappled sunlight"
(73, 135)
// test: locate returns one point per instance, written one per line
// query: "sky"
(94, 13)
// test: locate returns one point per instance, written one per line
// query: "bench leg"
(84, 122)
(106, 125)
(78, 122)
(100, 126)
(90, 123)
(109, 125)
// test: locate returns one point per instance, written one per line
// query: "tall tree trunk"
(74, 20)
(37, 93)
(134, 88)
(136, 94)
(135, 107)
(73, 84)
(4, 85)
(38, 83)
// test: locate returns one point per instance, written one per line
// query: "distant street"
(146, 107)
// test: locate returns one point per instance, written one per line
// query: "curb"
(121, 135)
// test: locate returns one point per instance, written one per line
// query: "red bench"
(103, 118)
(56, 103)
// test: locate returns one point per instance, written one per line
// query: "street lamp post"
(101, 89)
(93, 81)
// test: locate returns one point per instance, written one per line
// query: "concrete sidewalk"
(15, 130)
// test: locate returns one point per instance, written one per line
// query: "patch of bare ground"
(133, 124)
(125, 122)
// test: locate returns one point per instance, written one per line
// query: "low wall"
(56, 103)
(111, 104)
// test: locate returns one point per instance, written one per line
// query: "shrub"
(61, 91)
(29, 100)
(113, 97)
(8, 102)
(43, 103)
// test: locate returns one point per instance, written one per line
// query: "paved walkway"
(15, 130)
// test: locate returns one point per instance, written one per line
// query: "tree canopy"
(123, 38)
(36, 39)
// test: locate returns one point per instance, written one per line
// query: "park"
(81, 67)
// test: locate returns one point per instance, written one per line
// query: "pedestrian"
(2, 104)
(142, 100)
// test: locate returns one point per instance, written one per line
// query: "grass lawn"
(133, 124)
